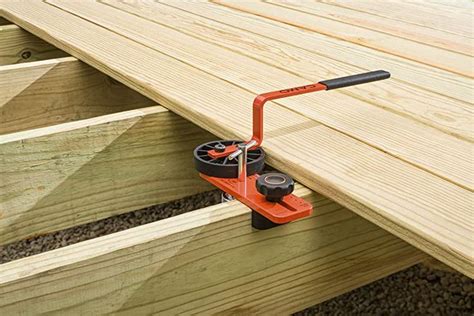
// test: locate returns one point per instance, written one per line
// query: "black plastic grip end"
(355, 79)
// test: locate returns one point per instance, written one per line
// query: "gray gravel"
(106, 226)
(416, 291)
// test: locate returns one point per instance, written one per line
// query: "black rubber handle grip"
(355, 79)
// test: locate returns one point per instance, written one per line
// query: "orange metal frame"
(257, 116)
(243, 188)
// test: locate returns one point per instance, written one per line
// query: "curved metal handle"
(341, 82)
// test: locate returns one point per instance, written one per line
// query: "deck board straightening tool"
(234, 166)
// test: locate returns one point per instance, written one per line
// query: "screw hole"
(26, 54)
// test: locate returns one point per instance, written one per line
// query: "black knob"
(220, 148)
(275, 186)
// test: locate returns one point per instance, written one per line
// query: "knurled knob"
(274, 186)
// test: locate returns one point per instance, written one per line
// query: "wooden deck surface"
(397, 152)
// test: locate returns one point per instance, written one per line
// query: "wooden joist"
(73, 173)
(406, 200)
(206, 262)
(49, 92)
(17, 46)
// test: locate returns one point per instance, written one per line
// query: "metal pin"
(236, 153)
(241, 163)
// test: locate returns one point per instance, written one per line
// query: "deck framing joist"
(92, 148)
(208, 261)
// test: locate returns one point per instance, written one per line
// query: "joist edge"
(69, 126)
(54, 91)
(8, 26)
(136, 268)
(74, 173)
(34, 64)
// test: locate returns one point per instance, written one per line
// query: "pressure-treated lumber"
(420, 207)
(17, 45)
(401, 97)
(417, 51)
(327, 49)
(208, 261)
(73, 173)
(437, 38)
(44, 93)
(341, 112)
(442, 15)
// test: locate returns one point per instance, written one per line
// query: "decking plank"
(432, 56)
(427, 211)
(404, 139)
(417, 33)
(272, 37)
(438, 16)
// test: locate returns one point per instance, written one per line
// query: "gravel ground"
(419, 290)
(106, 226)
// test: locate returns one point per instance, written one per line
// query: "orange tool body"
(290, 207)
(269, 195)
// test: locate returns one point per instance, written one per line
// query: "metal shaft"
(242, 165)
(236, 153)
(242, 161)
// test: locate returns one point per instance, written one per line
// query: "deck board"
(442, 16)
(417, 51)
(417, 33)
(409, 177)
(340, 112)
(311, 53)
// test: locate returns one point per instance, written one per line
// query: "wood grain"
(416, 33)
(438, 16)
(17, 46)
(419, 207)
(61, 90)
(250, 34)
(208, 261)
(73, 173)
(352, 116)
(429, 55)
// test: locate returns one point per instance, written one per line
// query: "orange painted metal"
(243, 188)
(227, 151)
(290, 208)
(261, 99)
